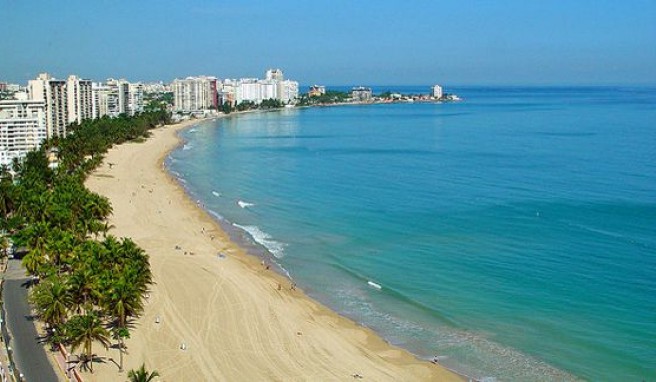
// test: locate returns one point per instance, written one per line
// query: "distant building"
(79, 99)
(194, 94)
(274, 74)
(437, 91)
(118, 97)
(288, 91)
(136, 101)
(155, 87)
(316, 91)
(22, 128)
(100, 106)
(361, 94)
(54, 95)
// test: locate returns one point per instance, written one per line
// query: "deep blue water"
(513, 234)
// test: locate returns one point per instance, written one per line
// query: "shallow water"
(512, 234)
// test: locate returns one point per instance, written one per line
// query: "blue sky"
(335, 42)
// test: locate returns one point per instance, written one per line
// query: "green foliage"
(142, 375)
(86, 284)
(226, 108)
(386, 94)
(83, 331)
(271, 104)
(52, 300)
(330, 97)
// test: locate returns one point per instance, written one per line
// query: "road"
(30, 356)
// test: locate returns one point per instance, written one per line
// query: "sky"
(334, 42)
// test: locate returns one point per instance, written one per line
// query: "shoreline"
(268, 332)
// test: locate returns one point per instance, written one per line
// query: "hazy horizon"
(339, 43)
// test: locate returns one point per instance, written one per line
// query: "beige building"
(194, 94)
(100, 100)
(53, 93)
(119, 97)
(136, 102)
(22, 128)
(80, 99)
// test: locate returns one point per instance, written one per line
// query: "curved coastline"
(236, 318)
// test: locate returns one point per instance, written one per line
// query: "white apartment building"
(254, 90)
(136, 103)
(80, 99)
(53, 93)
(119, 97)
(274, 74)
(437, 91)
(288, 91)
(247, 89)
(194, 94)
(22, 128)
(100, 106)
(361, 94)
(156, 87)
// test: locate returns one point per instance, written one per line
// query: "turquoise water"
(513, 234)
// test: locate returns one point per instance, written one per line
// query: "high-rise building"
(80, 99)
(22, 128)
(119, 97)
(53, 93)
(437, 91)
(194, 94)
(100, 100)
(288, 91)
(136, 104)
(274, 74)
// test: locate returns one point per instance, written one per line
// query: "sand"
(226, 312)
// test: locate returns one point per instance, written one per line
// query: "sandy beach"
(223, 318)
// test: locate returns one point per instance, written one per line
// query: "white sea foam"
(264, 239)
(187, 146)
(244, 204)
(192, 130)
(374, 285)
(216, 194)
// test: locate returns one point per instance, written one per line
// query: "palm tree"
(5, 244)
(142, 375)
(122, 302)
(59, 247)
(52, 300)
(84, 287)
(84, 331)
(33, 261)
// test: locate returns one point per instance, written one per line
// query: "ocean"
(512, 235)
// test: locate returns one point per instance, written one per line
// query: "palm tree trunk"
(120, 352)
(90, 356)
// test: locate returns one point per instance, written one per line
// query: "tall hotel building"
(66, 102)
(136, 101)
(119, 97)
(100, 100)
(80, 99)
(22, 128)
(274, 86)
(53, 94)
(194, 94)
(437, 91)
